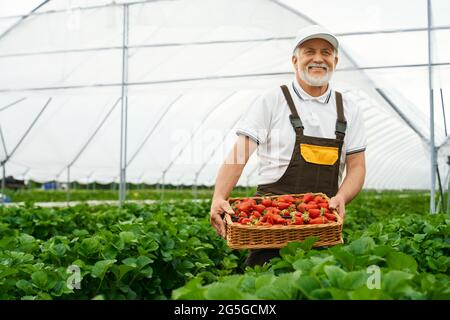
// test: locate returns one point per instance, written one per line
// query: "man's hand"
(338, 203)
(227, 178)
(218, 207)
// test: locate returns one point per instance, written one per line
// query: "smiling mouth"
(319, 68)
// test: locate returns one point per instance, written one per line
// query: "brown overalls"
(314, 167)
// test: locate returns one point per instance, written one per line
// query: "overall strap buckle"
(296, 122)
(341, 127)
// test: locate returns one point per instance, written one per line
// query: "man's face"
(314, 62)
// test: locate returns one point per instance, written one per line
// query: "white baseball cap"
(315, 32)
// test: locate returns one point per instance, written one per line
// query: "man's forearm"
(352, 184)
(227, 178)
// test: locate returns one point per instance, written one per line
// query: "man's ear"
(294, 60)
(336, 60)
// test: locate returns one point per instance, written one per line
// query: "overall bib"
(314, 167)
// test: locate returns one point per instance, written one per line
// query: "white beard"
(314, 81)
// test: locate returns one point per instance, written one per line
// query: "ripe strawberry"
(330, 216)
(259, 207)
(283, 205)
(323, 205)
(256, 214)
(319, 199)
(286, 198)
(314, 213)
(319, 220)
(311, 205)
(245, 206)
(266, 202)
(298, 220)
(308, 197)
(243, 215)
(250, 200)
(302, 207)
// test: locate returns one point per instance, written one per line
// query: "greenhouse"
(116, 116)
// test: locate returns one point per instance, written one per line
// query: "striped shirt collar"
(325, 98)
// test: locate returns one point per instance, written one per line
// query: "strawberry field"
(393, 249)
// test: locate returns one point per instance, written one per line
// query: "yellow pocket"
(319, 154)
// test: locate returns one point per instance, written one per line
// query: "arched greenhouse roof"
(188, 69)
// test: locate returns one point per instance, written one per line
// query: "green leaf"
(362, 246)
(130, 262)
(354, 280)
(393, 280)
(128, 237)
(281, 288)
(123, 270)
(280, 265)
(308, 243)
(80, 233)
(39, 279)
(307, 284)
(304, 265)
(101, 267)
(89, 246)
(44, 296)
(382, 251)
(291, 248)
(401, 261)
(321, 294)
(335, 275)
(151, 245)
(247, 284)
(419, 237)
(6, 272)
(320, 262)
(80, 263)
(364, 293)
(222, 291)
(343, 257)
(142, 261)
(19, 258)
(305, 245)
(58, 250)
(339, 294)
(442, 264)
(147, 272)
(27, 243)
(263, 280)
(193, 290)
(25, 286)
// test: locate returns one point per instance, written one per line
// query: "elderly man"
(305, 133)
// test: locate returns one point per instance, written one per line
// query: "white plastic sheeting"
(193, 68)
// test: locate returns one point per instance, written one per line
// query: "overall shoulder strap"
(341, 123)
(294, 117)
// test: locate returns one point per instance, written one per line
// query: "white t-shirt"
(267, 122)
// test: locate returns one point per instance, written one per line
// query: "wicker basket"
(240, 236)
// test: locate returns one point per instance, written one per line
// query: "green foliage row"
(139, 252)
(385, 235)
(169, 250)
(36, 195)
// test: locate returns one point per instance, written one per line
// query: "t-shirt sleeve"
(255, 121)
(356, 132)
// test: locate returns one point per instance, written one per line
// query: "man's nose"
(318, 58)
